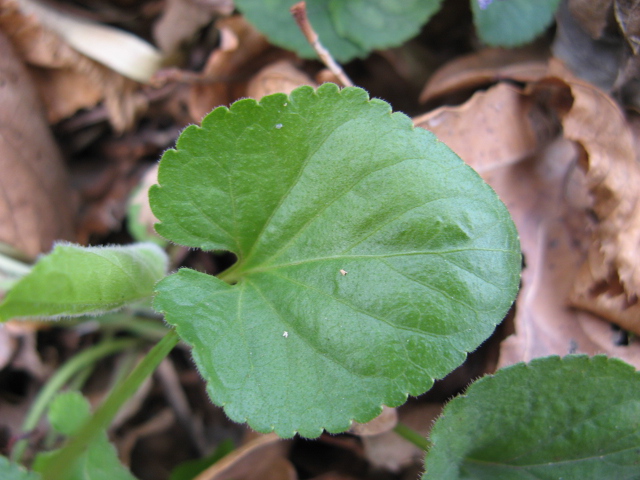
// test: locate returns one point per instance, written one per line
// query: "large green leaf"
(370, 257)
(74, 280)
(12, 471)
(347, 28)
(68, 412)
(576, 417)
(509, 23)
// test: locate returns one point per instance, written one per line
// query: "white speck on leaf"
(278, 126)
(343, 272)
(285, 334)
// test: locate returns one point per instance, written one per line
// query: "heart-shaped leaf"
(347, 28)
(576, 417)
(370, 257)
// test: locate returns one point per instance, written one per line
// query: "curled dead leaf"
(67, 80)
(484, 68)
(609, 281)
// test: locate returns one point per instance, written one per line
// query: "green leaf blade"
(511, 23)
(347, 28)
(74, 280)
(576, 417)
(355, 233)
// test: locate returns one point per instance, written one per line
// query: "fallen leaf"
(260, 459)
(279, 77)
(240, 46)
(485, 67)
(67, 80)
(487, 131)
(609, 281)
(181, 19)
(35, 207)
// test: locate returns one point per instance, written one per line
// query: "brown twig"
(299, 12)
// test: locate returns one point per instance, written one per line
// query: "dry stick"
(299, 12)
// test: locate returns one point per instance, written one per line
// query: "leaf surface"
(347, 28)
(509, 23)
(370, 257)
(572, 417)
(74, 280)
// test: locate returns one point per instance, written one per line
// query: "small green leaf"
(576, 417)
(12, 471)
(510, 23)
(192, 468)
(74, 280)
(67, 414)
(347, 28)
(370, 257)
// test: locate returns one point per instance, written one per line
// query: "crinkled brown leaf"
(485, 67)
(609, 281)
(67, 80)
(181, 19)
(35, 206)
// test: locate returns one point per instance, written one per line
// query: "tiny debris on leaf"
(285, 334)
(343, 272)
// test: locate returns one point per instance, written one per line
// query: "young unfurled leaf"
(75, 280)
(68, 412)
(11, 471)
(510, 23)
(347, 28)
(575, 417)
(302, 189)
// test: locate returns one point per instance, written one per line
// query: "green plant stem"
(60, 378)
(412, 436)
(65, 459)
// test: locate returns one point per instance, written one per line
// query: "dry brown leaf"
(593, 15)
(67, 80)
(487, 131)
(486, 67)
(35, 207)
(546, 195)
(181, 19)
(281, 76)
(609, 281)
(240, 46)
(261, 459)
(385, 422)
